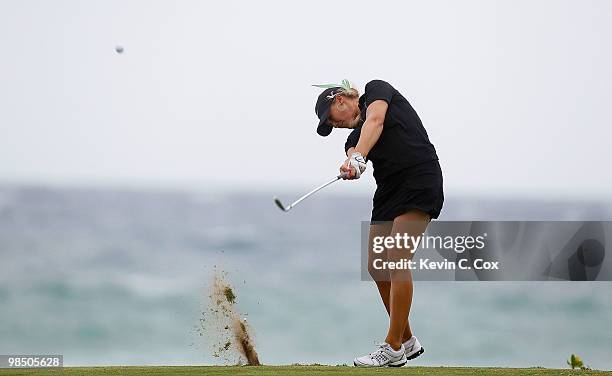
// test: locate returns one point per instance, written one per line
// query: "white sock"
(410, 341)
(396, 351)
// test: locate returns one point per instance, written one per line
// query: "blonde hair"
(351, 93)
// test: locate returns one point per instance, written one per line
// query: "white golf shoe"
(413, 348)
(384, 356)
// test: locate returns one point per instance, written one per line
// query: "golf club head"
(279, 204)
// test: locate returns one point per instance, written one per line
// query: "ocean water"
(109, 277)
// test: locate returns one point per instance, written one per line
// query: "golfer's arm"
(372, 128)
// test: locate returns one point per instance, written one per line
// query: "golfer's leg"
(413, 223)
(382, 278)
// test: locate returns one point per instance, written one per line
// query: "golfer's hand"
(354, 166)
(346, 171)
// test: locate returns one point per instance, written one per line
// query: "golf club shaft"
(314, 191)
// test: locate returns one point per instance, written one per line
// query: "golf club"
(287, 208)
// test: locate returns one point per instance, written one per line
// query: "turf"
(296, 370)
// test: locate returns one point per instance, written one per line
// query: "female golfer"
(388, 132)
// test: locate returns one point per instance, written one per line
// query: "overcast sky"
(515, 95)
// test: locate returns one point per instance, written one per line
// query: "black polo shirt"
(403, 142)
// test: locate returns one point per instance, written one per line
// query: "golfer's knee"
(377, 271)
(400, 259)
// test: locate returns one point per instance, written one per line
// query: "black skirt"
(416, 187)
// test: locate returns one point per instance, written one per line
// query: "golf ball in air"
(119, 49)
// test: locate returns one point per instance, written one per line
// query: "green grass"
(296, 370)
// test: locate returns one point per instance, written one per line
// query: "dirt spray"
(223, 325)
